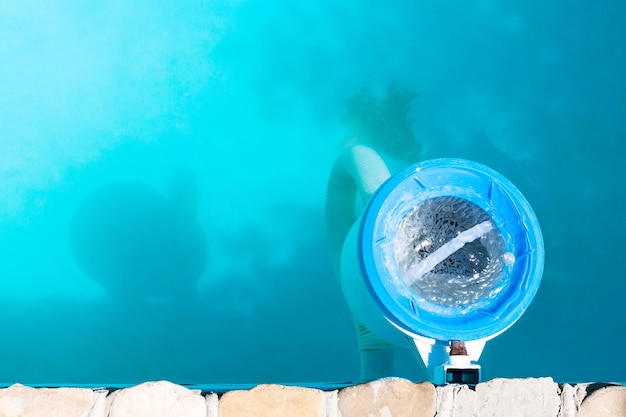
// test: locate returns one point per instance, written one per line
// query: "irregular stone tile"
(22, 401)
(388, 397)
(531, 397)
(332, 404)
(101, 407)
(570, 402)
(605, 402)
(446, 395)
(211, 402)
(270, 400)
(157, 399)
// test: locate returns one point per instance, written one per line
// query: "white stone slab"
(157, 399)
(22, 401)
(531, 397)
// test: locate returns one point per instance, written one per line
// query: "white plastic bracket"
(435, 355)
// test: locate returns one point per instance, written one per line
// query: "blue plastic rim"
(509, 211)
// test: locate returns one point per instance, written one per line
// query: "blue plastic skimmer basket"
(451, 250)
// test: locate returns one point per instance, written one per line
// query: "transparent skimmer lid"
(450, 249)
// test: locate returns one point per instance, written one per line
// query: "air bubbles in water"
(508, 258)
(451, 254)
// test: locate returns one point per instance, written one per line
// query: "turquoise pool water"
(128, 131)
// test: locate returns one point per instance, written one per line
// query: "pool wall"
(388, 397)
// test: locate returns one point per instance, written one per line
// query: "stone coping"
(387, 397)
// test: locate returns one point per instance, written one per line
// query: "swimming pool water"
(128, 132)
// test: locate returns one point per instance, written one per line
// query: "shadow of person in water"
(140, 245)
